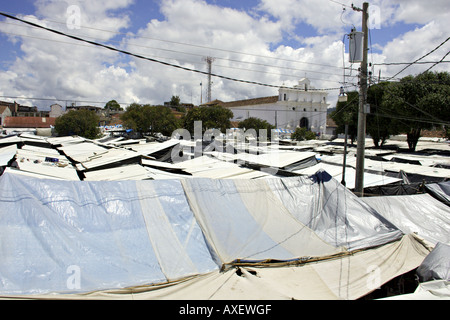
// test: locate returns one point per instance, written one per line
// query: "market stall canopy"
(440, 191)
(418, 213)
(121, 234)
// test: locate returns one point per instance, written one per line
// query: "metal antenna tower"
(209, 61)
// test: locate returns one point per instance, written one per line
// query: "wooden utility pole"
(345, 155)
(360, 152)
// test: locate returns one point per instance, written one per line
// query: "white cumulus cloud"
(248, 45)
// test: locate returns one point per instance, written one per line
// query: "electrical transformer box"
(356, 44)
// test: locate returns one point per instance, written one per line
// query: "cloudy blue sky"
(275, 42)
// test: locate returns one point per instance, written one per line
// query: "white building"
(300, 106)
(56, 110)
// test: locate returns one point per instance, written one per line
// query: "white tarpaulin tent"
(418, 213)
(370, 179)
(349, 277)
(171, 238)
(440, 191)
(6, 154)
(319, 213)
(117, 234)
(433, 275)
(431, 290)
(436, 265)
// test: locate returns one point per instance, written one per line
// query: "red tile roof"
(247, 102)
(28, 122)
(250, 102)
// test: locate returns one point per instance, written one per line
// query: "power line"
(186, 53)
(427, 54)
(411, 119)
(438, 62)
(147, 58)
(191, 61)
(402, 63)
(342, 4)
(190, 45)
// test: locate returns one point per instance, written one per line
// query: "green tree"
(113, 105)
(134, 118)
(302, 134)
(164, 121)
(347, 113)
(150, 119)
(212, 117)
(380, 128)
(83, 123)
(175, 101)
(257, 124)
(418, 103)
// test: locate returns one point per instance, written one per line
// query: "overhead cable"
(150, 59)
(438, 61)
(417, 60)
(196, 54)
(402, 63)
(190, 61)
(196, 46)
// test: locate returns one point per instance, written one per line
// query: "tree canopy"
(417, 103)
(302, 134)
(379, 127)
(150, 119)
(83, 123)
(175, 101)
(113, 105)
(409, 106)
(257, 124)
(347, 113)
(212, 117)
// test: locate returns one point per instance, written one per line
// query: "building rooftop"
(246, 102)
(29, 122)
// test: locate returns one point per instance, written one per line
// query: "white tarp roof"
(127, 172)
(332, 211)
(383, 166)
(370, 179)
(131, 233)
(111, 156)
(67, 172)
(431, 290)
(152, 147)
(32, 174)
(10, 140)
(117, 234)
(82, 151)
(41, 154)
(350, 277)
(64, 141)
(276, 158)
(419, 213)
(440, 191)
(427, 160)
(6, 154)
(436, 265)
(208, 167)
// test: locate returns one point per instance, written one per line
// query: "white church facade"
(299, 106)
